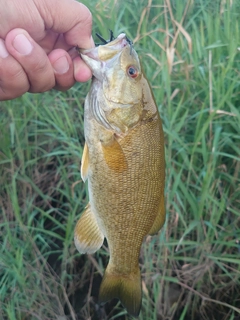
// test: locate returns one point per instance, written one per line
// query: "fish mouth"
(106, 51)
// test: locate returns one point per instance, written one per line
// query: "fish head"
(116, 67)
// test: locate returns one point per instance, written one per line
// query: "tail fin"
(127, 288)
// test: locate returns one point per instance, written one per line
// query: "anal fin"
(88, 237)
(160, 218)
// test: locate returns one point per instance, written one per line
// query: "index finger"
(69, 17)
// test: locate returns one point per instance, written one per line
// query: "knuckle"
(11, 70)
(41, 77)
(13, 81)
(61, 88)
(43, 86)
(63, 85)
(39, 66)
(11, 90)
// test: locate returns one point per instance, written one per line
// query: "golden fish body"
(123, 160)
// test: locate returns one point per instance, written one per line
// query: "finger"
(82, 72)
(13, 79)
(49, 40)
(76, 25)
(32, 58)
(63, 68)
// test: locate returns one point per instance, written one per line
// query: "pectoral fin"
(160, 218)
(114, 156)
(85, 163)
(88, 237)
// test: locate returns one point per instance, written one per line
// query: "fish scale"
(123, 160)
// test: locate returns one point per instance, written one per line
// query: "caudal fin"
(127, 288)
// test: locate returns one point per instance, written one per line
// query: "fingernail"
(22, 44)
(61, 65)
(3, 51)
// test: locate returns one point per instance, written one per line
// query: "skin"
(36, 38)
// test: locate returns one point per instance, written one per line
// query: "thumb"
(69, 17)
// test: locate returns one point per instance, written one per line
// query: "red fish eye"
(132, 71)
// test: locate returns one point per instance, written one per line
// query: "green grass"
(191, 270)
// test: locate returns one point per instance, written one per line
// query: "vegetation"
(190, 51)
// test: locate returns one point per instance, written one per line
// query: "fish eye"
(132, 71)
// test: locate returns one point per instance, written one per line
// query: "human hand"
(35, 39)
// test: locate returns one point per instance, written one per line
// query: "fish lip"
(117, 45)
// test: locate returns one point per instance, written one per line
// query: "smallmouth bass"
(123, 160)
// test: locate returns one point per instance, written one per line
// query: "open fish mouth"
(112, 38)
(108, 49)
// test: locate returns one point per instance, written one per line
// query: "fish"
(123, 161)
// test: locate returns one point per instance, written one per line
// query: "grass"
(190, 51)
